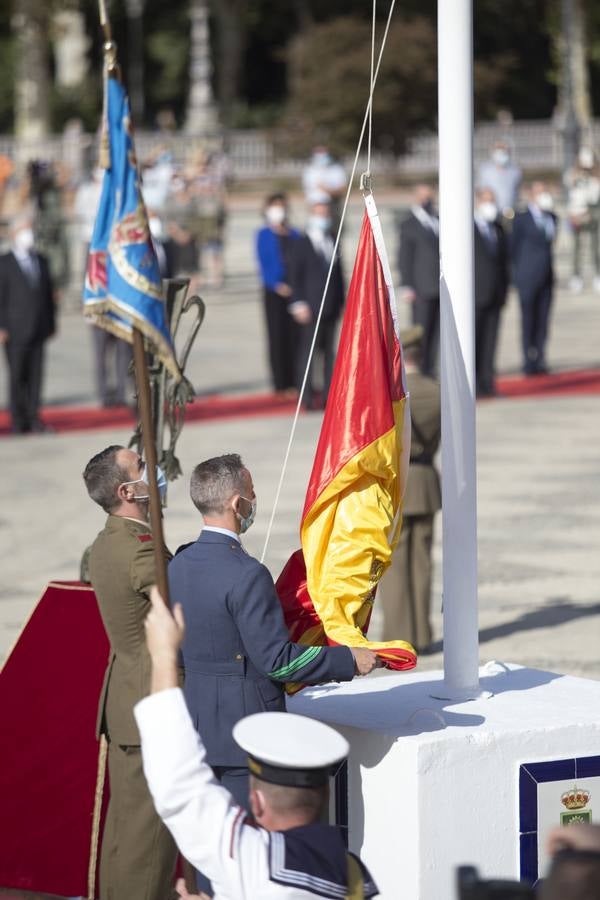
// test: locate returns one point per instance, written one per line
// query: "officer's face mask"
(246, 521)
(24, 240)
(161, 478)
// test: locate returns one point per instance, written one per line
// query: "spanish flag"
(353, 509)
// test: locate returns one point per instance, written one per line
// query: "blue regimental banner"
(123, 287)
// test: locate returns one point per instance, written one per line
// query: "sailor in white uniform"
(284, 852)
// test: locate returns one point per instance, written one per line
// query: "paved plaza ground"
(538, 470)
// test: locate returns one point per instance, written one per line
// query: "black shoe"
(41, 428)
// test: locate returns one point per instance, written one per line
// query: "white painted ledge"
(434, 784)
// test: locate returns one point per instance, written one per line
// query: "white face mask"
(275, 214)
(24, 240)
(155, 226)
(488, 211)
(545, 201)
(319, 223)
(161, 478)
(321, 158)
(500, 156)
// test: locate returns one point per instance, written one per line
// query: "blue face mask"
(246, 521)
(161, 478)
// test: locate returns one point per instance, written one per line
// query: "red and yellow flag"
(353, 509)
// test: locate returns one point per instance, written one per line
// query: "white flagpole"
(457, 309)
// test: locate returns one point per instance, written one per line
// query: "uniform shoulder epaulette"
(144, 537)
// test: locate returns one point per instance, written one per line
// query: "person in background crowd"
(532, 241)
(112, 355)
(273, 250)
(163, 244)
(310, 260)
(583, 212)
(157, 174)
(45, 192)
(503, 177)
(491, 286)
(206, 180)
(324, 181)
(406, 587)
(419, 264)
(27, 320)
(179, 227)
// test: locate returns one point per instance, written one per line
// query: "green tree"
(329, 66)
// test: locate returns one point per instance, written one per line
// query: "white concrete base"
(434, 784)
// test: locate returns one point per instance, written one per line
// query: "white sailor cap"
(290, 750)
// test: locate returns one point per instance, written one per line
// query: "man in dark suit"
(27, 320)
(491, 285)
(310, 259)
(532, 241)
(419, 263)
(236, 653)
(406, 587)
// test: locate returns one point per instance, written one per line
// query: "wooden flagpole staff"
(149, 453)
(145, 410)
(141, 379)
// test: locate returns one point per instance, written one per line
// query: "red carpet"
(574, 382)
(87, 418)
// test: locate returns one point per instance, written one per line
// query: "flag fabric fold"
(353, 509)
(123, 286)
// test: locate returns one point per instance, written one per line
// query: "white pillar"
(457, 339)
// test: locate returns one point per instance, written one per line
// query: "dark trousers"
(535, 317)
(25, 367)
(138, 855)
(236, 780)
(486, 337)
(406, 586)
(105, 345)
(280, 330)
(427, 314)
(323, 357)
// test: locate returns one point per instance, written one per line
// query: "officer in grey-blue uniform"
(236, 652)
(284, 851)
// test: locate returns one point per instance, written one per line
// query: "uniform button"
(238, 656)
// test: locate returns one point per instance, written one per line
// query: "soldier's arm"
(143, 567)
(255, 607)
(200, 814)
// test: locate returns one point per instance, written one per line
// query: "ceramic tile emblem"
(553, 793)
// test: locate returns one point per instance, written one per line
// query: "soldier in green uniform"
(406, 587)
(138, 854)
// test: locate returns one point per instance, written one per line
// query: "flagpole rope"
(326, 288)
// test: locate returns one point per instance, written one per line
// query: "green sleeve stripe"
(303, 660)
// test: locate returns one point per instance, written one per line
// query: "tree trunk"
(32, 77)
(231, 40)
(580, 73)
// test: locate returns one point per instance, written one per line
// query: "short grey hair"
(215, 480)
(103, 476)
